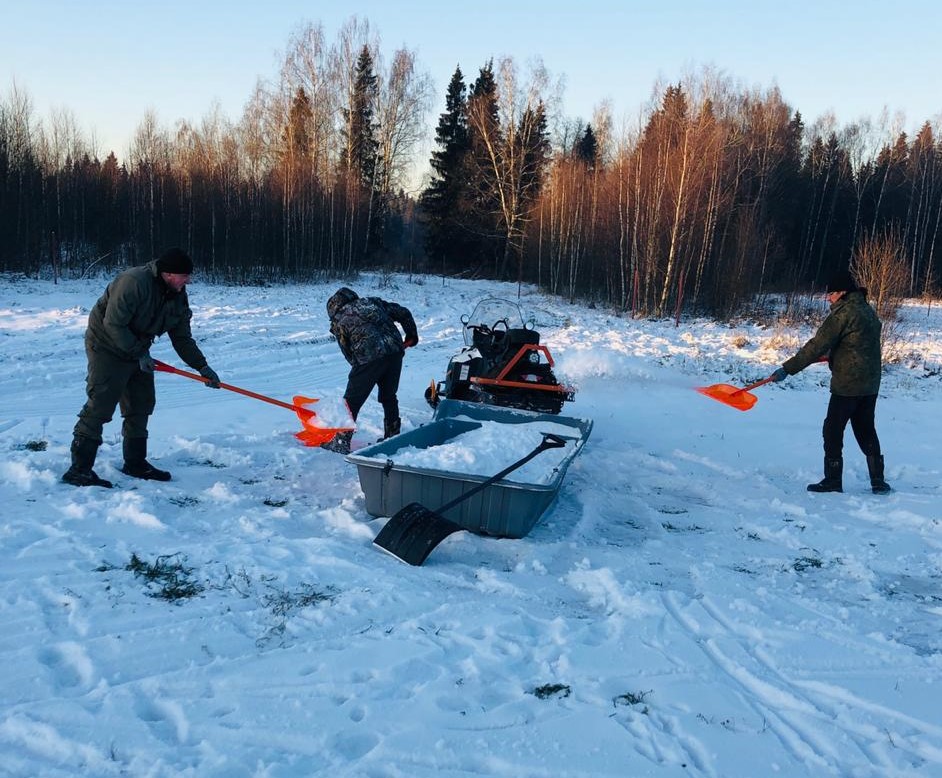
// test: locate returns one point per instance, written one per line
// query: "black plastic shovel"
(414, 530)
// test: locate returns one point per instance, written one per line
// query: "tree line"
(716, 193)
(720, 193)
(309, 180)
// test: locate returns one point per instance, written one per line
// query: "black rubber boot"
(136, 464)
(391, 427)
(84, 450)
(875, 467)
(833, 477)
(341, 443)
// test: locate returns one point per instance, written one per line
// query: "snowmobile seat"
(522, 337)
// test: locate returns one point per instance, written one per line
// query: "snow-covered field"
(685, 608)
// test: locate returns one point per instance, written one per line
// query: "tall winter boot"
(136, 464)
(341, 443)
(84, 450)
(875, 467)
(833, 477)
(391, 427)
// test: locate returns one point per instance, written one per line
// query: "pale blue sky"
(109, 62)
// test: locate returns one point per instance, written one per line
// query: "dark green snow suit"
(136, 308)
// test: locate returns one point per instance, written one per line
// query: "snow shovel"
(413, 531)
(311, 435)
(740, 399)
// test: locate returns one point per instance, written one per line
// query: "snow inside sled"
(418, 466)
(502, 363)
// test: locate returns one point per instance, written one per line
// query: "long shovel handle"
(755, 385)
(165, 368)
(549, 441)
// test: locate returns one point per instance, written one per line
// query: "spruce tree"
(444, 238)
(481, 210)
(362, 148)
(535, 154)
(296, 138)
(360, 131)
(587, 148)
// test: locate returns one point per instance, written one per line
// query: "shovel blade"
(412, 533)
(732, 396)
(316, 436)
(305, 415)
(313, 435)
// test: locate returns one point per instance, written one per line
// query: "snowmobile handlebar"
(500, 325)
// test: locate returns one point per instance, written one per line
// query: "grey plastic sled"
(414, 531)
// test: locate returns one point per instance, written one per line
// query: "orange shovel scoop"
(740, 399)
(312, 434)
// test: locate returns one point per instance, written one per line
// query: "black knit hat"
(842, 282)
(175, 260)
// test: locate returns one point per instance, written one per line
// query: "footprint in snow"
(69, 665)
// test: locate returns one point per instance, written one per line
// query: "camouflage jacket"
(850, 337)
(365, 329)
(136, 308)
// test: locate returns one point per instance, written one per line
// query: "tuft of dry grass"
(782, 340)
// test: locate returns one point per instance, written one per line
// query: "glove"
(146, 363)
(779, 375)
(212, 380)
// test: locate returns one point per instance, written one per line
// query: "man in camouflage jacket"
(141, 304)
(365, 328)
(850, 339)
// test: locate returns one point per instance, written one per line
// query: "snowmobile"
(502, 363)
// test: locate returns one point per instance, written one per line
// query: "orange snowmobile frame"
(312, 435)
(500, 380)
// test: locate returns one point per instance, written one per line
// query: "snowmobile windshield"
(494, 314)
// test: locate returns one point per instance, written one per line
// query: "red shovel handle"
(756, 384)
(767, 380)
(165, 368)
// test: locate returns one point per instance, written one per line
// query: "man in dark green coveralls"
(141, 304)
(850, 338)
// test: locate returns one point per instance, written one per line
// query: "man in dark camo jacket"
(850, 339)
(365, 328)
